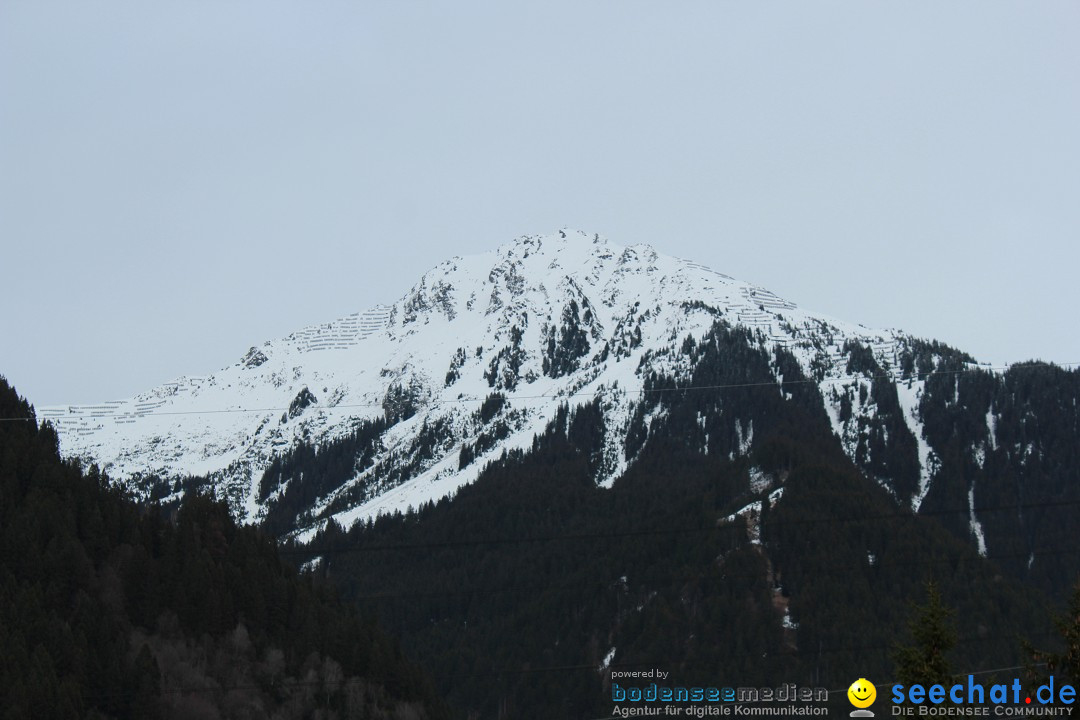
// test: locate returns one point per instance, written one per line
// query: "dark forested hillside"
(1009, 447)
(109, 610)
(740, 521)
(742, 546)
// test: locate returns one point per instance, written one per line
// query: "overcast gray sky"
(182, 180)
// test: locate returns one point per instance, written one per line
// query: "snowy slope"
(544, 320)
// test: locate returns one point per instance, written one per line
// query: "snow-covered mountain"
(542, 321)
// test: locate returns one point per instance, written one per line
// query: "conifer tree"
(933, 635)
(1064, 665)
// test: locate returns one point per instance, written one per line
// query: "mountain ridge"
(539, 322)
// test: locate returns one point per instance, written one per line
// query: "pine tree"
(924, 662)
(1064, 665)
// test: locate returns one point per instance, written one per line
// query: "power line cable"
(560, 396)
(773, 523)
(709, 572)
(286, 550)
(720, 525)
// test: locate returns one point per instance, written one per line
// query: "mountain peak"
(544, 320)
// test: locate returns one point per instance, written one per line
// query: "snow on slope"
(471, 326)
(909, 394)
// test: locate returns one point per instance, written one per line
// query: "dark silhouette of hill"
(112, 610)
